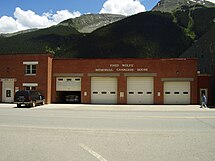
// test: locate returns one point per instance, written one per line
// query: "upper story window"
(31, 67)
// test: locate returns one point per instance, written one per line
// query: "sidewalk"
(126, 107)
(116, 107)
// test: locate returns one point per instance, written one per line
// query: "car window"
(22, 93)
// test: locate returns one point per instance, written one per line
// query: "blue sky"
(7, 7)
(16, 15)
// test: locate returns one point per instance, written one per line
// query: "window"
(185, 93)
(30, 69)
(131, 92)
(112, 92)
(60, 80)
(8, 93)
(104, 92)
(176, 93)
(95, 92)
(30, 88)
(148, 92)
(167, 92)
(140, 93)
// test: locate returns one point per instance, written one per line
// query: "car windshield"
(21, 93)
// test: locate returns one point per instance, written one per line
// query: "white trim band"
(30, 62)
(30, 84)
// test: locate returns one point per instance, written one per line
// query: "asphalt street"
(106, 133)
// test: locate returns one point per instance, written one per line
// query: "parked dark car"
(28, 98)
(72, 99)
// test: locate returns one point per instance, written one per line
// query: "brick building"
(106, 81)
(25, 72)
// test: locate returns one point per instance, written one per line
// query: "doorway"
(201, 92)
(7, 90)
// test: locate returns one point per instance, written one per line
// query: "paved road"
(106, 133)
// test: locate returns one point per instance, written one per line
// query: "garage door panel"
(104, 90)
(176, 92)
(68, 84)
(140, 90)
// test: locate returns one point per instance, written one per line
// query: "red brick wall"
(85, 87)
(204, 82)
(164, 68)
(12, 67)
(53, 90)
(122, 81)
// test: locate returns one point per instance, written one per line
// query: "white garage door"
(104, 90)
(68, 84)
(176, 92)
(140, 90)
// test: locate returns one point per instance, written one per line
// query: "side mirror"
(41, 97)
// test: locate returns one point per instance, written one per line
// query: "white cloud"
(124, 7)
(213, 1)
(28, 19)
(64, 14)
(8, 24)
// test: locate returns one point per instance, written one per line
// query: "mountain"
(195, 21)
(59, 38)
(43, 40)
(149, 34)
(171, 5)
(17, 33)
(146, 35)
(83, 24)
(204, 50)
(90, 22)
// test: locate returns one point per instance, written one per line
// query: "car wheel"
(18, 105)
(33, 104)
(43, 103)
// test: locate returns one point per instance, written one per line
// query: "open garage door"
(140, 90)
(69, 97)
(176, 92)
(104, 90)
(68, 89)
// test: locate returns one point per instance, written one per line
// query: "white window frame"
(30, 64)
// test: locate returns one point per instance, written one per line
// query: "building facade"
(25, 72)
(102, 81)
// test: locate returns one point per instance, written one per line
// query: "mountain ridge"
(84, 24)
(172, 5)
(90, 22)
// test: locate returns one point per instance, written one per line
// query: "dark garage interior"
(68, 97)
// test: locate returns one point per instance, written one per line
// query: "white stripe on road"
(93, 153)
(176, 117)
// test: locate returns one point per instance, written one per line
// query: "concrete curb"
(115, 107)
(125, 107)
